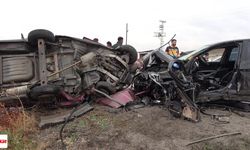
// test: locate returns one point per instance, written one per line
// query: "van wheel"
(44, 92)
(130, 51)
(40, 34)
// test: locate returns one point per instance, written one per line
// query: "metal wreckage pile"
(161, 81)
(70, 72)
(155, 79)
(179, 87)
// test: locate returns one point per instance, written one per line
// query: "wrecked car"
(223, 75)
(49, 68)
(216, 73)
(163, 81)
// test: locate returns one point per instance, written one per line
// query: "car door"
(243, 82)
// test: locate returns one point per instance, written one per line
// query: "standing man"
(119, 43)
(96, 40)
(173, 50)
(109, 44)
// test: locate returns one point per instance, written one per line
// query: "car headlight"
(176, 66)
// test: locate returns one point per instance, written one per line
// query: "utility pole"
(161, 34)
(126, 33)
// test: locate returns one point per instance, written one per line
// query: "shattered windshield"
(189, 56)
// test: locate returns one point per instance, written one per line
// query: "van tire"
(131, 51)
(40, 34)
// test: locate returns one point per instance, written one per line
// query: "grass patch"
(18, 125)
(82, 123)
(101, 121)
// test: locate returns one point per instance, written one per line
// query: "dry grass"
(19, 125)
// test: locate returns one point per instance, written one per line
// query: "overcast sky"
(195, 22)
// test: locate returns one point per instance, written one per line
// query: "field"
(145, 128)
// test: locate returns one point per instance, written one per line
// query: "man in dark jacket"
(119, 43)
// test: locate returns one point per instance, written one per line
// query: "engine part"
(17, 90)
(89, 78)
(88, 58)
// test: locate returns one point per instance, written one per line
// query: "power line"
(161, 34)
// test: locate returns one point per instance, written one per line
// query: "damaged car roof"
(203, 48)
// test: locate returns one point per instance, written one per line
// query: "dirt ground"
(150, 127)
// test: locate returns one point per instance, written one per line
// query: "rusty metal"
(68, 67)
(191, 113)
(42, 62)
(56, 64)
(1, 68)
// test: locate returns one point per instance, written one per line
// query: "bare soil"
(146, 128)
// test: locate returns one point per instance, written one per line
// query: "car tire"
(44, 91)
(105, 87)
(40, 34)
(131, 51)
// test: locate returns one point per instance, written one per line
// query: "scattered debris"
(223, 119)
(213, 137)
(59, 118)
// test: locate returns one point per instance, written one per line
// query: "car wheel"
(40, 34)
(44, 92)
(131, 51)
(105, 87)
